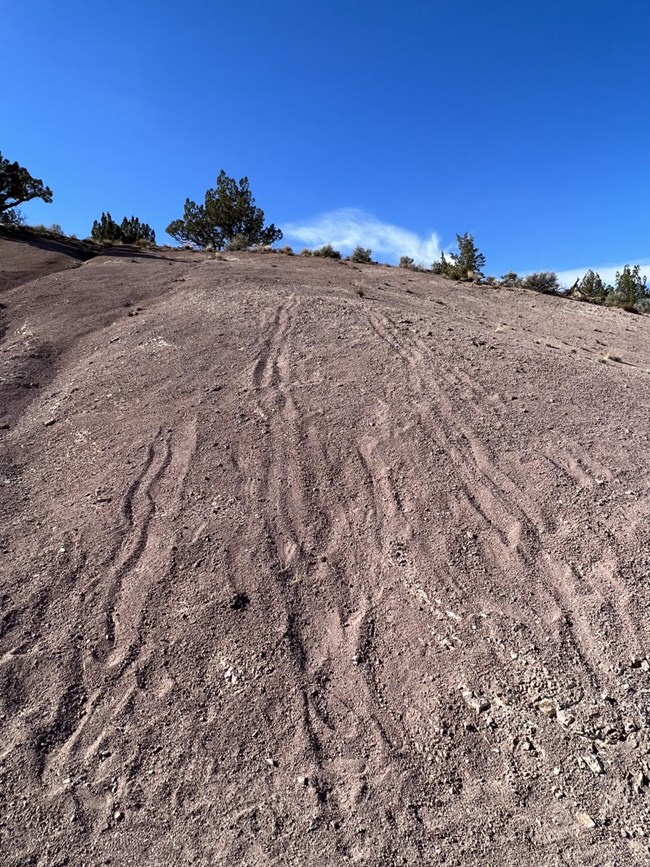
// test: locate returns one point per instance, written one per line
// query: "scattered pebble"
(585, 820)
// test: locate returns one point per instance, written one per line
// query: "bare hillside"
(307, 563)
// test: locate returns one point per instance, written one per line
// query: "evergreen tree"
(468, 262)
(228, 211)
(129, 231)
(592, 287)
(629, 287)
(18, 186)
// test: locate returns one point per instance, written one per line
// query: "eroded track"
(298, 575)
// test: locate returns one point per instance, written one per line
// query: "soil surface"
(309, 563)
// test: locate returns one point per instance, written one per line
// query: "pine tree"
(468, 262)
(629, 287)
(592, 287)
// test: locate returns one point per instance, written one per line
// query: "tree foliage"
(18, 186)
(12, 218)
(361, 255)
(591, 287)
(629, 287)
(468, 262)
(129, 231)
(228, 211)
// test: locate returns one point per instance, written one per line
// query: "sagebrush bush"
(327, 252)
(407, 262)
(542, 281)
(286, 250)
(238, 242)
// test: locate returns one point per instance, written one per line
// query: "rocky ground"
(311, 563)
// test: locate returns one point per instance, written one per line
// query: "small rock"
(49, 422)
(302, 781)
(565, 718)
(118, 815)
(594, 763)
(547, 707)
(640, 781)
(238, 602)
(585, 820)
(478, 702)
(272, 763)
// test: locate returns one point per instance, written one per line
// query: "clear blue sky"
(525, 123)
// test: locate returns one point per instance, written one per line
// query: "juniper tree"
(18, 186)
(228, 211)
(129, 231)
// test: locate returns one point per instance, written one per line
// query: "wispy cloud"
(607, 272)
(350, 227)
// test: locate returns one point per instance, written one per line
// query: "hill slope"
(296, 575)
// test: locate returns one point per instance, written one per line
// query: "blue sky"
(391, 125)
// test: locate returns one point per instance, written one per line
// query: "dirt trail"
(310, 563)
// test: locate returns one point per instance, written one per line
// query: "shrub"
(542, 281)
(511, 280)
(361, 254)
(327, 252)
(286, 250)
(407, 262)
(643, 306)
(238, 242)
(227, 211)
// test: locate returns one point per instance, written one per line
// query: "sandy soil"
(306, 563)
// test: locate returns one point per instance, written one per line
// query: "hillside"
(309, 563)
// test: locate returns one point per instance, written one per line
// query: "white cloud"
(607, 272)
(349, 227)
